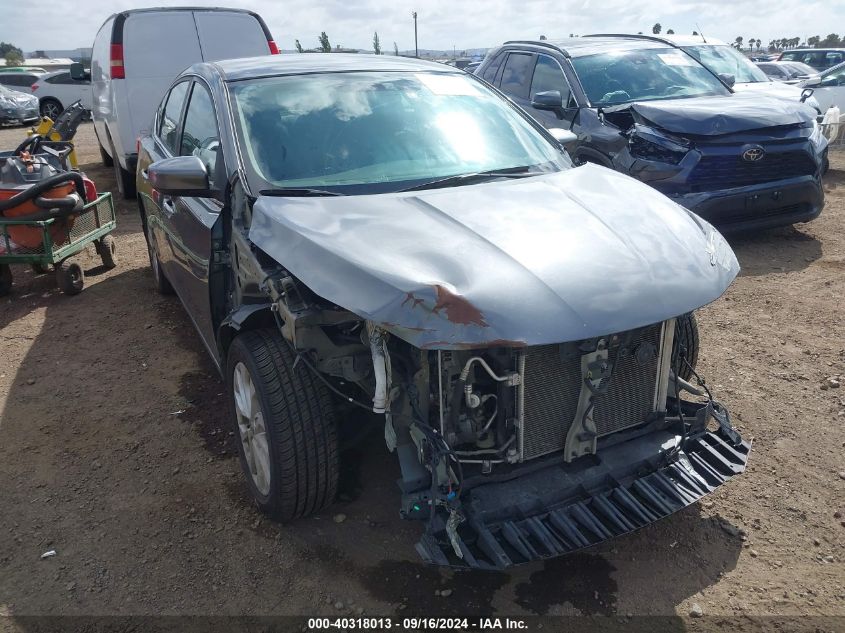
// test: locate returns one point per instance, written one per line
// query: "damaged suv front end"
(397, 234)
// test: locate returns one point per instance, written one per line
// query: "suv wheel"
(285, 421)
(51, 108)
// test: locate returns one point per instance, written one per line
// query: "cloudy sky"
(447, 23)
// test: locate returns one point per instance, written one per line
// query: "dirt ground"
(115, 452)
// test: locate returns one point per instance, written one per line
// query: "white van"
(136, 56)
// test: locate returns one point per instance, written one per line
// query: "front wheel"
(51, 109)
(285, 421)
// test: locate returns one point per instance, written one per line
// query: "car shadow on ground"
(781, 250)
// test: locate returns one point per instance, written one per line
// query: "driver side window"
(549, 76)
(200, 136)
(834, 79)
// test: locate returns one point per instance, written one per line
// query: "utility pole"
(416, 45)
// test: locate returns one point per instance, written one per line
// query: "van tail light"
(274, 50)
(33, 87)
(117, 69)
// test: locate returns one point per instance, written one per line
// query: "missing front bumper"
(566, 507)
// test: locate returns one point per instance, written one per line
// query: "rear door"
(192, 219)
(160, 208)
(230, 35)
(68, 90)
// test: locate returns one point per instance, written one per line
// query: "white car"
(731, 65)
(136, 56)
(57, 90)
(828, 87)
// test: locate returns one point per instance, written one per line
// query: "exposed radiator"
(552, 385)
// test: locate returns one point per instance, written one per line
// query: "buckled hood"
(711, 116)
(558, 257)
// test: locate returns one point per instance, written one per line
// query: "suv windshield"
(727, 60)
(369, 132)
(645, 74)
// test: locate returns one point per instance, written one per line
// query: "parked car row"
(646, 107)
(54, 90)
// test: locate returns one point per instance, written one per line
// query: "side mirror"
(563, 136)
(806, 94)
(180, 176)
(549, 100)
(77, 72)
(728, 79)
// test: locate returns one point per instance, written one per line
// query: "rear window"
(169, 124)
(816, 59)
(18, 79)
(516, 77)
(228, 35)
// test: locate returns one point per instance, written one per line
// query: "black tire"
(5, 279)
(106, 248)
(300, 426)
(39, 269)
(104, 156)
(686, 341)
(70, 278)
(50, 108)
(124, 180)
(161, 282)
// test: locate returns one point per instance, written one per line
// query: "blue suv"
(643, 106)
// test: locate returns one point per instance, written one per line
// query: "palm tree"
(738, 41)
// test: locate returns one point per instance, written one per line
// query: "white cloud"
(444, 23)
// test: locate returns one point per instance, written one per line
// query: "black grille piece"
(725, 172)
(553, 385)
(596, 513)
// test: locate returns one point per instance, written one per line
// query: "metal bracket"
(596, 370)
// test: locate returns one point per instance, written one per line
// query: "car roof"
(304, 63)
(814, 50)
(593, 44)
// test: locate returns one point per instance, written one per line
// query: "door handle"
(167, 206)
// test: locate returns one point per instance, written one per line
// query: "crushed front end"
(523, 453)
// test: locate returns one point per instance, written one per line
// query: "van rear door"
(229, 35)
(151, 66)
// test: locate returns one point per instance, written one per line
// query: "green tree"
(656, 28)
(325, 45)
(376, 44)
(298, 47)
(738, 41)
(12, 54)
(395, 49)
(830, 40)
(814, 41)
(670, 32)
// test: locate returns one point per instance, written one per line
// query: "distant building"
(74, 54)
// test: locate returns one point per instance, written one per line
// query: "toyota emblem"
(753, 154)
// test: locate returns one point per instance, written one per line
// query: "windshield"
(727, 60)
(369, 132)
(644, 75)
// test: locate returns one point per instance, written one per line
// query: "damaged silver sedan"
(382, 233)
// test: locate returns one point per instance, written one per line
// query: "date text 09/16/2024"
(416, 624)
